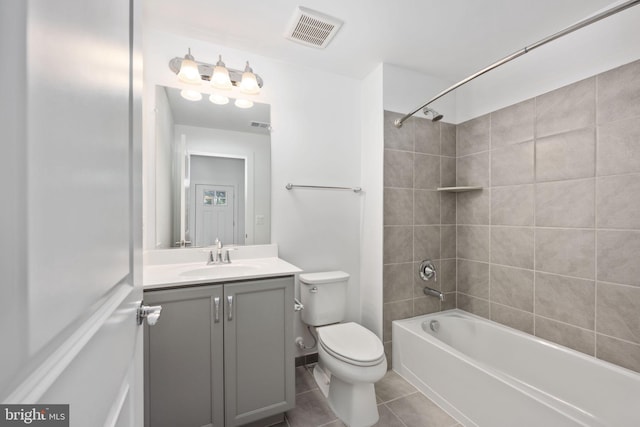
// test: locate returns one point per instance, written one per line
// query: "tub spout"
(434, 293)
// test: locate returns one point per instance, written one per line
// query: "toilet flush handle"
(313, 290)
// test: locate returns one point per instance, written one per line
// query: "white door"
(71, 217)
(215, 214)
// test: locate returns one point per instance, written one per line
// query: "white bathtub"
(488, 375)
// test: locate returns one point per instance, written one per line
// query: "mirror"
(213, 172)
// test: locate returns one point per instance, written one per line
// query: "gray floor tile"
(418, 411)
(387, 418)
(304, 380)
(311, 410)
(392, 386)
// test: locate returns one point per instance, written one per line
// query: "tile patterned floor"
(399, 405)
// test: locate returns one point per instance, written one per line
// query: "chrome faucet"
(217, 257)
(427, 272)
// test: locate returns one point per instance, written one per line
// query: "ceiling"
(445, 39)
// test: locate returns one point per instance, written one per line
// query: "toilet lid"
(351, 342)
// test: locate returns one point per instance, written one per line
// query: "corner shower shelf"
(457, 189)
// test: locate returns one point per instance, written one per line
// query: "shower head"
(435, 116)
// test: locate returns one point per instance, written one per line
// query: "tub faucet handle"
(428, 270)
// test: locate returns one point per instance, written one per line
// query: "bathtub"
(488, 375)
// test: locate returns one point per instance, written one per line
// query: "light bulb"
(249, 83)
(189, 72)
(216, 98)
(191, 95)
(220, 78)
(243, 103)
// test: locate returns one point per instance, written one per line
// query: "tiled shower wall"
(419, 222)
(551, 245)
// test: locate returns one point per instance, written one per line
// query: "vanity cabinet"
(220, 354)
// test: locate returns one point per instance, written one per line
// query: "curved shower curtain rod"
(588, 21)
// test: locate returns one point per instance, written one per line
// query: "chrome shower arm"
(587, 21)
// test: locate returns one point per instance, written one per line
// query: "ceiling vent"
(261, 125)
(312, 28)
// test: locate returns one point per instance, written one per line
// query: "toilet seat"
(352, 344)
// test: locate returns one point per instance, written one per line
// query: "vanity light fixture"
(218, 75)
(249, 84)
(243, 103)
(220, 78)
(219, 99)
(191, 95)
(188, 71)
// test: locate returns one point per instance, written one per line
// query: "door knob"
(149, 312)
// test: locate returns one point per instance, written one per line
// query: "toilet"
(350, 357)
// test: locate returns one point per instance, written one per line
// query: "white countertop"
(188, 267)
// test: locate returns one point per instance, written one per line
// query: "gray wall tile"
(398, 206)
(394, 311)
(512, 164)
(473, 135)
(427, 136)
(427, 171)
(447, 171)
(619, 147)
(397, 282)
(398, 244)
(512, 205)
(398, 169)
(447, 275)
(570, 107)
(474, 207)
(473, 278)
(447, 139)
(569, 336)
(619, 352)
(566, 299)
(473, 170)
(619, 93)
(566, 204)
(619, 201)
(568, 155)
(448, 241)
(425, 305)
(427, 207)
(513, 318)
(447, 208)
(567, 252)
(512, 246)
(512, 287)
(398, 138)
(473, 242)
(477, 306)
(619, 311)
(426, 242)
(513, 124)
(618, 257)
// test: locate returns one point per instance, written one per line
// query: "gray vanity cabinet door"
(259, 349)
(184, 359)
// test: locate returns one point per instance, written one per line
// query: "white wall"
(371, 226)
(405, 90)
(591, 50)
(316, 137)
(161, 196)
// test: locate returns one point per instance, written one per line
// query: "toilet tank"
(324, 296)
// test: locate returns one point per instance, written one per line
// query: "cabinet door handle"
(230, 301)
(216, 302)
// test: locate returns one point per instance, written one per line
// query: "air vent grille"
(260, 125)
(312, 28)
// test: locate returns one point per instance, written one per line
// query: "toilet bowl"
(350, 357)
